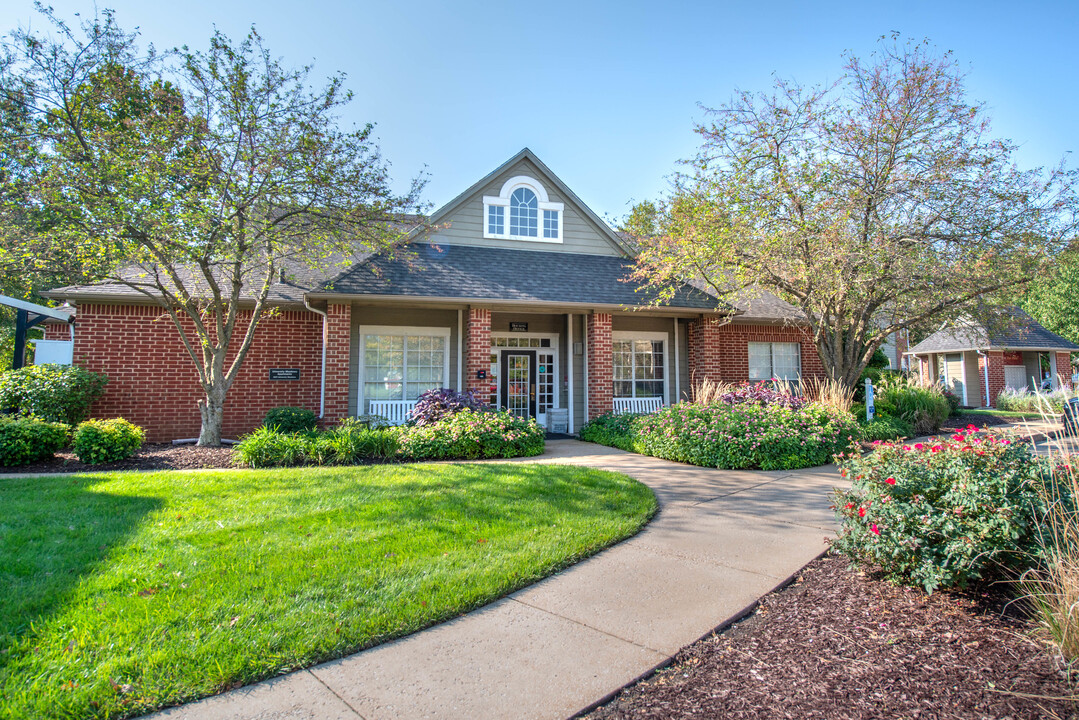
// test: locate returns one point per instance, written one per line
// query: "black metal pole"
(18, 357)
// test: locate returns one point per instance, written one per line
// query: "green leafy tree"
(1054, 299)
(196, 179)
(873, 204)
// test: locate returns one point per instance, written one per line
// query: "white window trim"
(554, 349)
(399, 330)
(772, 358)
(503, 200)
(651, 336)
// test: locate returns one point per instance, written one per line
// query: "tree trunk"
(212, 409)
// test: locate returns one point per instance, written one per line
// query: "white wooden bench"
(397, 412)
(637, 405)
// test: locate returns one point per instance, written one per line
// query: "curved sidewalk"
(720, 541)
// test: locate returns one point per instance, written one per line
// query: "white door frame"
(496, 367)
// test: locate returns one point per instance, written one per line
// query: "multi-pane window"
(550, 223)
(532, 214)
(496, 220)
(638, 368)
(524, 213)
(402, 367)
(782, 361)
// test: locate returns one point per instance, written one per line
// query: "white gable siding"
(579, 234)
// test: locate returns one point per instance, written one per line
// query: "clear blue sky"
(607, 93)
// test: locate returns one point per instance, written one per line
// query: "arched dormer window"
(531, 215)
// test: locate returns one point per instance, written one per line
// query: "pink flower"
(919, 446)
(861, 512)
(874, 529)
(890, 481)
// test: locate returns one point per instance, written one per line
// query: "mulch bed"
(160, 456)
(841, 644)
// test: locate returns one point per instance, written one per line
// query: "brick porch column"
(705, 353)
(996, 376)
(478, 351)
(338, 336)
(1064, 368)
(600, 365)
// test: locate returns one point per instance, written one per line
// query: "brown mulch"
(152, 456)
(961, 421)
(841, 644)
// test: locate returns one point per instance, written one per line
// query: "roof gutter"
(325, 341)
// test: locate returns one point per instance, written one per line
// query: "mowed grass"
(121, 593)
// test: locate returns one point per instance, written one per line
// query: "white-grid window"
(638, 368)
(402, 365)
(781, 361)
(522, 198)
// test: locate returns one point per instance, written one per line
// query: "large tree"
(876, 203)
(1053, 299)
(196, 178)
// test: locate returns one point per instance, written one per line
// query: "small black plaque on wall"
(284, 373)
(518, 327)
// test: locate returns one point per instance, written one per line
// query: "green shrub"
(100, 441)
(471, 434)
(885, 427)
(748, 435)
(954, 403)
(613, 430)
(290, 419)
(27, 440)
(55, 393)
(924, 407)
(1049, 403)
(943, 513)
(347, 444)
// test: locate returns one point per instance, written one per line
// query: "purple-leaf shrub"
(434, 405)
(761, 394)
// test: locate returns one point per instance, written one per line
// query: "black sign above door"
(518, 327)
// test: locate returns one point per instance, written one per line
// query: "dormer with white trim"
(522, 211)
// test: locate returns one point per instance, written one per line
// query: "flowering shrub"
(761, 394)
(434, 405)
(942, 513)
(471, 434)
(746, 435)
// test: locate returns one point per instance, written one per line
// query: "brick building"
(978, 362)
(522, 294)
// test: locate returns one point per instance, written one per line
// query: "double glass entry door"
(518, 373)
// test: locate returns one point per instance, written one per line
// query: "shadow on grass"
(53, 532)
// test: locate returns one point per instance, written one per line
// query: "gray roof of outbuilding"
(1018, 330)
(481, 273)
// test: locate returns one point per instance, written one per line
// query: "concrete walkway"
(720, 541)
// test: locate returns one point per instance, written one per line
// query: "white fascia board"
(34, 308)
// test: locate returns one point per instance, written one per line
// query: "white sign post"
(869, 410)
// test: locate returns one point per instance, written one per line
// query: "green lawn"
(1008, 414)
(125, 592)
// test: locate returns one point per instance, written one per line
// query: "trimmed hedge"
(101, 441)
(27, 440)
(55, 393)
(944, 513)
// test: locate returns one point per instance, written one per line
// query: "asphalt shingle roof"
(461, 271)
(1019, 330)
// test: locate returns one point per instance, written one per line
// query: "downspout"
(325, 341)
(986, 369)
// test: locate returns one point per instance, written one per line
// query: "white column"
(460, 348)
(677, 368)
(569, 365)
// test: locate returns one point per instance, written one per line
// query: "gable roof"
(1019, 332)
(525, 154)
(466, 272)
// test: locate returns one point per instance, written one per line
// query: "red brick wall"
(720, 352)
(1064, 368)
(600, 364)
(57, 331)
(478, 351)
(153, 381)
